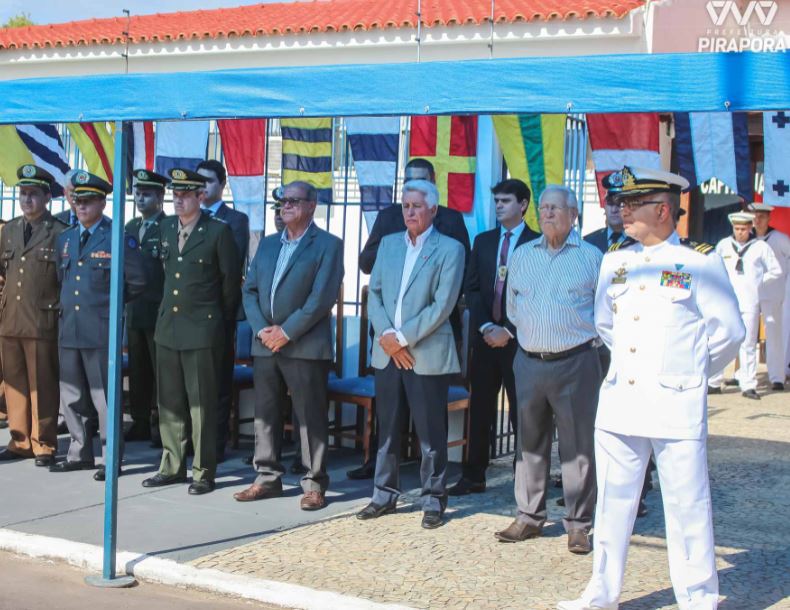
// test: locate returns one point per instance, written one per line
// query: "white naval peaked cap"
(635, 181)
(739, 218)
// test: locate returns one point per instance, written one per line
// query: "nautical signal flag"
(182, 144)
(450, 144)
(307, 154)
(244, 149)
(715, 145)
(776, 129)
(37, 143)
(534, 149)
(374, 146)
(628, 138)
(95, 142)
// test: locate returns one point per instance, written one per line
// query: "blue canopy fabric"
(604, 83)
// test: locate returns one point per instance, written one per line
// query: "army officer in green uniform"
(202, 290)
(149, 195)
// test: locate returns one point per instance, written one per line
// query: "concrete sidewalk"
(272, 551)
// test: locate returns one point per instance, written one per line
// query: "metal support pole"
(108, 577)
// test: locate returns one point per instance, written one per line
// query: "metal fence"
(345, 217)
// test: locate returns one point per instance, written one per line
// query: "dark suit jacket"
(64, 216)
(390, 220)
(305, 295)
(481, 277)
(202, 285)
(141, 313)
(240, 225)
(599, 239)
(85, 284)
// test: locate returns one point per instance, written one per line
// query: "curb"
(171, 573)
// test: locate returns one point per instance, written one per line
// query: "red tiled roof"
(304, 18)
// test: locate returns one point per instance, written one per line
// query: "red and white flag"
(244, 148)
(142, 145)
(622, 139)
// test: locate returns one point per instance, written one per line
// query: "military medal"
(502, 272)
(676, 279)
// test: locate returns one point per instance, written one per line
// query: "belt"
(560, 355)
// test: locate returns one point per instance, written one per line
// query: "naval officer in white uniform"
(775, 299)
(669, 315)
(752, 268)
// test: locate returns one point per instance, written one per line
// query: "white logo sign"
(763, 10)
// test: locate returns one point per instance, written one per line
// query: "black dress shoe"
(366, 471)
(3, 424)
(101, 473)
(730, 382)
(431, 519)
(67, 466)
(10, 456)
(160, 480)
(777, 387)
(374, 511)
(465, 486)
(752, 394)
(560, 501)
(62, 428)
(198, 488)
(712, 390)
(45, 460)
(247, 459)
(298, 468)
(641, 510)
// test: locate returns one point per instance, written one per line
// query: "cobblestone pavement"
(462, 566)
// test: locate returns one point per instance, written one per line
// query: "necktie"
(182, 239)
(501, 275)
(741, 253)
(84, 237)
(28, 231)
(614, 237)
(143, 228)
(72, 219)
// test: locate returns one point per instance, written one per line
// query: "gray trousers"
(566, 392)
(306, 380)
(83, 399)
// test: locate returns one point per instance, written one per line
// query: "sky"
(58, 11)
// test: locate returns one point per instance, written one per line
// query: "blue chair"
(242, 378)
(359, 390)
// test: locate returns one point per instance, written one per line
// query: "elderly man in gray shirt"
(551, 294)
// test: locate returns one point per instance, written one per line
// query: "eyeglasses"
(291, 201)
(550, 209)
(633, 204)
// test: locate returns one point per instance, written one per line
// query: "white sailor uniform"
(775, 307)
(751, 267)
(670, 318)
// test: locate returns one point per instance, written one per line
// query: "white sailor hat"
(759, 207)
(740, 218)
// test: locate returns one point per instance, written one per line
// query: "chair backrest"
(243, 341)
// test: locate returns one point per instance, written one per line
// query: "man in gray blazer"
(413, 289)
(288, 297)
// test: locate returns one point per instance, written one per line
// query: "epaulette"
(700, 246)
(628, 241)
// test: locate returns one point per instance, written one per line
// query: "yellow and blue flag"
(307, 154)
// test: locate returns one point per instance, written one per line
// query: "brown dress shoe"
(579, 542)
(259, 492)
(312, 500)
(518, 531)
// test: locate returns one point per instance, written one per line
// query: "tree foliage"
(18, 21)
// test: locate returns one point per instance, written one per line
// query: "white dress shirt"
(287, 249)
(780, 244)
(412, 254)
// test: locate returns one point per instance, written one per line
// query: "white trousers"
(683, 472)
(774, 339)
(747, 355)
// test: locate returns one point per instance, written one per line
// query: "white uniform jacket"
(670, 318)
(780, 245)
(760, 269)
